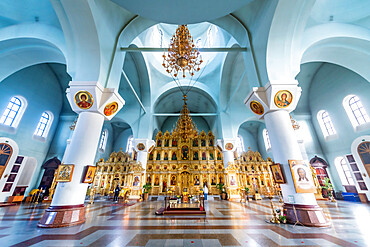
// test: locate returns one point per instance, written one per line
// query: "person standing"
(116, 193)
(205, 191)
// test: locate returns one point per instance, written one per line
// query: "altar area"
(183, 205)
(176, 166)
(182, 163)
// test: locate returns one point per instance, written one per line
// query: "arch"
(199, 101)
(139, 24)
(143, 89)
(343, 44)
(84, 46)
(24, 45)
(7, 167)
(136, 26)
(234, 83)
(284, 40)
(250, 131)
(172, 87)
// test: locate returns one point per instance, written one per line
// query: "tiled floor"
(226, 224)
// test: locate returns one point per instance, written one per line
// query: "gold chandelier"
(182, 54)
(185, 127)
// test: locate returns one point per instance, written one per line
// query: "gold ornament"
(185, 127)
(182, 54)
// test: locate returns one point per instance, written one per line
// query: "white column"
(228, 157)
(142, 157)
(228, 147)
(285, 147)
(81, 152)
(142, 147)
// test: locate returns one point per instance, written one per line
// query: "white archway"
(343, 44)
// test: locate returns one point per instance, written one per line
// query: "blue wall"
(39, 86)
(249, 139)
(331, 84)
(62, 134)
(121, 140)
(252, 133)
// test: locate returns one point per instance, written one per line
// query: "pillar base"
(63, 216)
(308, 215)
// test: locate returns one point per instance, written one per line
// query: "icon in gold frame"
(283, 98)
(65, 172)
(84, 100)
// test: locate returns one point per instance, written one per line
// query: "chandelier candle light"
(182, 54)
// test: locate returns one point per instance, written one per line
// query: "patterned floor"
(226, 224)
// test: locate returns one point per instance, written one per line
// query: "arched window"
(240, 145)
(355, 111)
(103, 141)
(198, 43)
(13, 112)
(266, 139)
(130, 144)
(44, 124)
(157, 36)
(343, 171)
(326, 124)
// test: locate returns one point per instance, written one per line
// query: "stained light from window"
(11, 112)
(266, 139)
(130, 144)
(43, 124)
(358, 110)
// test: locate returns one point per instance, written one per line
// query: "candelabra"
(182, 55)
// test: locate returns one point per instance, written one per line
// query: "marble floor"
(226, 224)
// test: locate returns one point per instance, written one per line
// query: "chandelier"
(185, 127)
(182, 54)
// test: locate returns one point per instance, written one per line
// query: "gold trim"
(79, 94)
(275, 98)
(107, 106)
(260, 106)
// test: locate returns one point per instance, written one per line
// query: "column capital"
(143, 145)
(90, 96)
(272, 97)
(227, 144)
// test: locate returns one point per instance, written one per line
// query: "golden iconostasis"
(179, 165)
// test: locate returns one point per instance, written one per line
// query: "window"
(13, 112)
(103, 141)
(240, 145)
(130, 144)
(343, 171)
(43, 127)
(266, 139)
(326, 124)
(157, 36)
(355, 111)
(211, 34)
(198, 43)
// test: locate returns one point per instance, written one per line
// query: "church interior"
(184, 123)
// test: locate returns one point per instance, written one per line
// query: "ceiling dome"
(181, 12)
